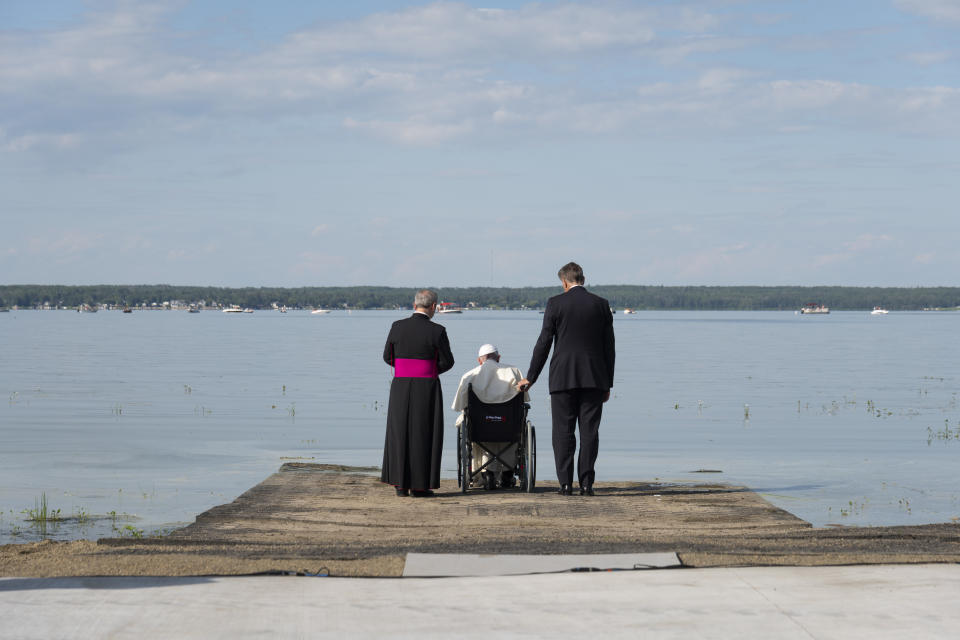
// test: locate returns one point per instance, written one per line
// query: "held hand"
(606, 396)
(523, 385)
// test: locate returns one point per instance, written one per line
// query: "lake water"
(138, 422)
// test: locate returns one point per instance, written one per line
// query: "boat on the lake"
(448, 307)
(629, 311)
(319, 312)
(814, 308)
(236, 309)
(193, 309)
(879, 311)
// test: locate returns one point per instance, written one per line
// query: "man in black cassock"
(419, 351)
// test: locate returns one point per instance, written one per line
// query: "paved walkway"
(879, 601)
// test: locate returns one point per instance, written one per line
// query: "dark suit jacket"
(579, 324)
(418, 337)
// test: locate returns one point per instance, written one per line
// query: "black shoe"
(402, 492)
(565, 490)
(425, 493)
(586, 490)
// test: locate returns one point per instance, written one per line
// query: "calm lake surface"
(138, 422)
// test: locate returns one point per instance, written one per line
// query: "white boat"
(448, 307)
(629, 311)
(237, 309)
(814, 308)
(879, 311)
(319, 312)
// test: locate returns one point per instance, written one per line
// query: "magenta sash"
(414, 368)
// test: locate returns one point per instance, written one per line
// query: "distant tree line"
(620, 296)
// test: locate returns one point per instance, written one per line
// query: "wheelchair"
(503, 423)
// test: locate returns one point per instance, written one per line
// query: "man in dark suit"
(579, 325)
(419, 351)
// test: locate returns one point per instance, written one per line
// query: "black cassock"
(418, 350)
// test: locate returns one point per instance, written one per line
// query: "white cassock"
(493, 383)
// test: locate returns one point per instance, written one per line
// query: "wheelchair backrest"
(494, 422)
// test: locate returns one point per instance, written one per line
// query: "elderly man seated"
(493, 383)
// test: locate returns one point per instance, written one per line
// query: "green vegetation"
(41, 514)
(367, 297)
(128, 531)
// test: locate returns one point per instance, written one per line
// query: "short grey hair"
(572, 273)
(425, 298)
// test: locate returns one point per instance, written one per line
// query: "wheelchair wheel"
(459, 460)
(529, 478)
(464, 457)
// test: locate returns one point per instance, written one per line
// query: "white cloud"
(931, 99)
(864, 243)
(722, 80)
(705, 263)
(867, 241)
(445, 29)
(814, 94)
(417, 131)
(928, 58)
(41, 141)
(67, 243)
(948, 10)
(423, 76)
(314, 263)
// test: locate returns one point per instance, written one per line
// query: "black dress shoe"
(402, 493)
(586, 490)
(565, 490)
(426, 493)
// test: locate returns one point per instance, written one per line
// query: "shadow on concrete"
(99, 582)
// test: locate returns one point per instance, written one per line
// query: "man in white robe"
(493, 383)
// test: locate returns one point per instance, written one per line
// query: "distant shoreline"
(638, 297)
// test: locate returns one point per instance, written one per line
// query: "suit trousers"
(568, 408)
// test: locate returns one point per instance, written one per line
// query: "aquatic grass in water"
(946, 433)
(41, 514)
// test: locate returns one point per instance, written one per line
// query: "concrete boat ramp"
(639, 558)
(342, 521)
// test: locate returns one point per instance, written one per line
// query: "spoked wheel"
(459, 459)
(522, 459)
(529, 478)
(464, 457)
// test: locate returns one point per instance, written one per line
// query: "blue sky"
(480, 143)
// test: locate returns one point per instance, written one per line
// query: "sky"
(244, 143)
